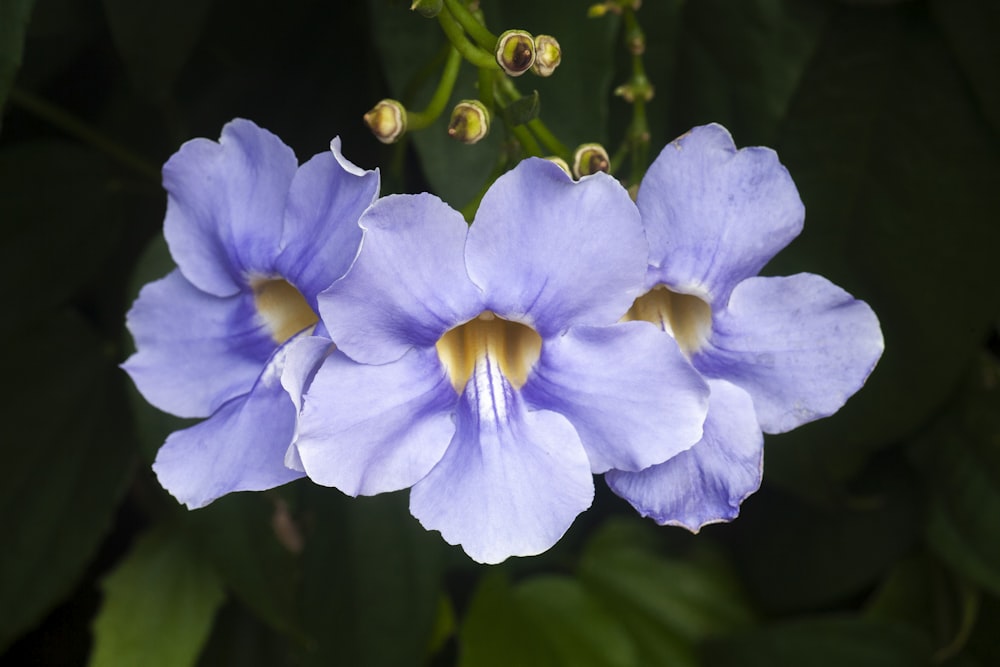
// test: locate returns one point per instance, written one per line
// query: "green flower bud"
(470, 121)
(515, 52)
(548, 55)
(589, 159)
(427, 8)
(387, 120)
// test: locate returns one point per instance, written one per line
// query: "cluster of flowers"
(377, 344)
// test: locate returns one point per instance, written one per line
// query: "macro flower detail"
(491, 372)
(255, 238)
(777, 352)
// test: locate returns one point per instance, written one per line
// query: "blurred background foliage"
(875, 539)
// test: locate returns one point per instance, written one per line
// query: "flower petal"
(715, 215)
(512, 480)
(371, 429)
(321, 232)
(552, 253)
(226, 205)
(303, 357)
(408, 284)
(799, 345)
(706, 483)
(195, 351)
(239, 448)
(627, 389)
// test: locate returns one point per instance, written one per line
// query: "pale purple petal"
(321, 232)
(627, 389)
(512, 480)
(239, 448)
(707, 483)
(371, 429)
(714, 215)
(408, 284)
(226, 205)
(799, 345)
(195, 351)
(303, 357)
(553, 253)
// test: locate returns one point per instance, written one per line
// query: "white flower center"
(282, 307)
(684, 316)
(512, 346)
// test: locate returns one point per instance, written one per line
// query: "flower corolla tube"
(777, 352)
(487, 367)
(255, 238)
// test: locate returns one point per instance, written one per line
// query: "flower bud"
(548, 55)
(470, 121)
(515, 52)
(427, 8)
(589, 159)
(387, 120)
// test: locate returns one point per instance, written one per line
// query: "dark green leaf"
(970, 28)
(60, 224)
(742, 64)
(548, 621)
(960, 458)
(13, 24)
(371, 573)
(794, 555)
(822, 642)
(155, 39)
(158, 607)
(66, 463)
(667, 605)
(898, 173)
(523, 110)
(239, 638)
(923, 594)
(245, 536)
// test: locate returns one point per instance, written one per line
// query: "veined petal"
(195, 351)
(408, 284)
(552, 253)
(321, 233)
(512, 480)
(707, 483)
(715, 215)
(627, 389)
(239, 448)
(226, 205)
(799, 345)
(371, 429)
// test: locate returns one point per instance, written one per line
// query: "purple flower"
(776, 352)
(486, 367)
(255, 237)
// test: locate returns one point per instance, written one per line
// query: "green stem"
(469, 51)
(639, 138)
(471, 25)
(527, 141)
(536, 125)
(550, 140)
(487, 80)
(85, 133)
(417, 120)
